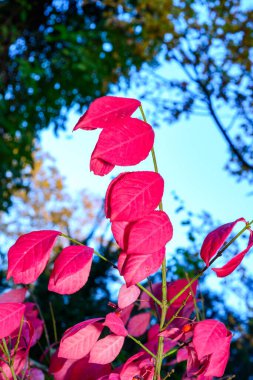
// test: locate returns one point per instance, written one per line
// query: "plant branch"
(219, 254)
(164, 306)
(142, 345)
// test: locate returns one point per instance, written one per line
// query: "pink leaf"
(71, 270)
(121, 261)
(78, 340)
(232, 264)
(173, 288)
(10, 317)
(137, 267)
(149, 234)
(118, 231)
(101, 167)
(125, 313)
(127, 142)
(14, 295)
(28, 257)
(130, 196)
(215, 240)
(208, 336)
(106, 349)
(218, 360)
(131, 367)
(127, 296)
(107, 110)
(138, 325)
(115, 324)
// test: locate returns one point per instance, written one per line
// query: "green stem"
(194, 298)
(219, 254)
(6, 349)
(53, 321)
(43, 319)
(150, 294)
(10, 362)
(164, 305)
(95, 252)
(142, 346)
(171, 352)
(177, 312)
(13, 372)
(19, 335)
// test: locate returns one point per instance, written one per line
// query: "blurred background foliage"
(57, 56)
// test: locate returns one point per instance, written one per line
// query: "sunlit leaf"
(28, 257)
(132, 195)
(10, 317)
(107, 110)
(71, 269)
(125, 143)
(106, 349)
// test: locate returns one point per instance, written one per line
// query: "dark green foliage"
(54, 56)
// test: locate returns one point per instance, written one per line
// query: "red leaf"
(106, 349)
(107, 110)
(137, 267)
(10, 317)
(127, 142)
(125, 313)
(130, 196)
(173, 288)
(78, 340)
(28, 257)
(115, 324)
(208, 336)
(102, 167)
(131, 367)
(118, 231)
(127, 296)
(14, 295)
(215, 240)
(218, 360)
(71, 270)
(121, 261)
(148, 234)
(138, 325)
(232, 264)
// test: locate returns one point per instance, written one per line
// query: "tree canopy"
(60, 55)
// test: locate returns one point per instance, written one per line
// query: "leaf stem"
(53, 321)
(95, 252)
(149, 294)
(178, 311)
(142, 345)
